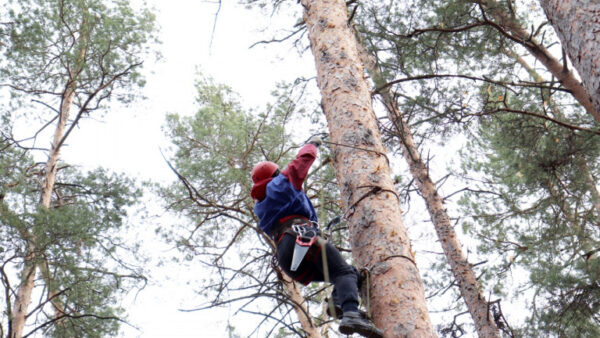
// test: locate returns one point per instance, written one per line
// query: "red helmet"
(263, 170)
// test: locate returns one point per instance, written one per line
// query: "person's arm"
(297, 170)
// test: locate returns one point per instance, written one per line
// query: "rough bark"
(514, 30)
(577, 24)
(299, 304)
(378, 237)
(461, 269)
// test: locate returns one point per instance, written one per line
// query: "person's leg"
(343, 276)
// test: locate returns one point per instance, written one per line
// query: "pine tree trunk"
(295, 297)
(378, 237)
(553, 65)
(299, 304)
(461, 269)
(23, 298)
(577, 24)
(52, 162)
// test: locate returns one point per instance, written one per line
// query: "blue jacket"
(282, 200)
(282, 195)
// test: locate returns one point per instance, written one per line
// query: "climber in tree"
(287, 215)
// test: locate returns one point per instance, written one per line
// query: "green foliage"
(216, 149)
(538, 212)
(440, 53)
(95, 47)
(80, 240)
(214, 152)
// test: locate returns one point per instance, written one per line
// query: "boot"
(353, 323)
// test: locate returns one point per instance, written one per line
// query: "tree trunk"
(51, 164)
(591, 183)
(378, 237)
(299, 304)
(295, 297)
(23, 298)
(577, 24)
(461, 268)
(516, 31)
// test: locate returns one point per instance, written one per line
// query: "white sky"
(134, 134)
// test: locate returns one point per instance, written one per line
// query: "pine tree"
(78, 241)
(70, 58)
(462, 270)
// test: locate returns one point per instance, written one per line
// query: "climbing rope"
(322, 243)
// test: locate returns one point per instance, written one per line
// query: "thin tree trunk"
(59, 307)
(571, 219)
(52, 162)
(591, 183)
(577, 24)
(23, 298)
(589, 179)
(461, 269)
(297, 301)
(553, 65)
(378, 237)
(299, 304)
(327, 305)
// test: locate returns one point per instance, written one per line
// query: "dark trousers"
(343, 276)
